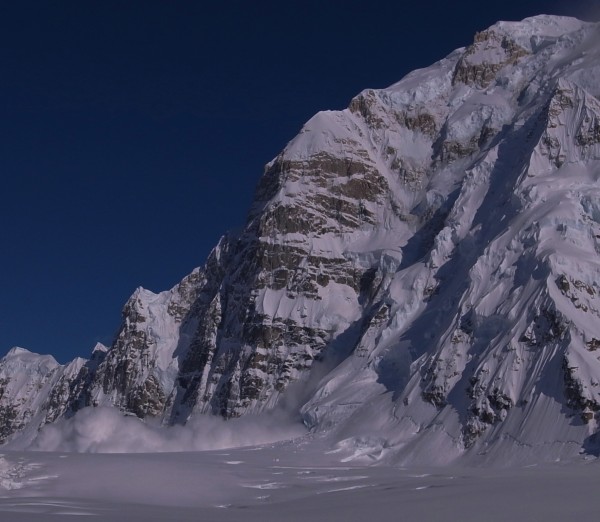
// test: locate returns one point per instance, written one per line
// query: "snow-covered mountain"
(419, 273)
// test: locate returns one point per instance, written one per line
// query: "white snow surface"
(294, 481)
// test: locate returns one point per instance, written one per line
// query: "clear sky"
(132, 134)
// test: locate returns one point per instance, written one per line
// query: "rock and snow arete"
(419, 274)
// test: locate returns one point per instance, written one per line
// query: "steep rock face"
(35, 389)
(481, 61)
(138, 372)
(22, 377)
(425, 262)
(71, 390)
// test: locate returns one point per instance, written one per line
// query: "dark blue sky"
(132, 134)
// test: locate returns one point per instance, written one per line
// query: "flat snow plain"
(293, 480)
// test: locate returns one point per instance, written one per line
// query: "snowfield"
(101, 465)
(293, 480)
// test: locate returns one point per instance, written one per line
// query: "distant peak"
(99, 348)
(536, 27)
(17, 353)
(17, 350)
(142, 294)
(546, 25)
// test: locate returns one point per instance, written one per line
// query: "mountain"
(417, 276)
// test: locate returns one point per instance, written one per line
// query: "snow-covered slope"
(423, 264)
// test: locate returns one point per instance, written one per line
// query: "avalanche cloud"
(106, 430)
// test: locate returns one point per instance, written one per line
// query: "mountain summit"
(419, 273)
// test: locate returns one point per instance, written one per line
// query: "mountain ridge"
(423, 263)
